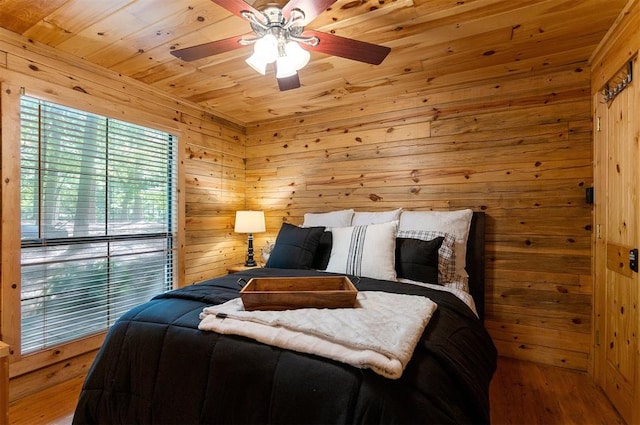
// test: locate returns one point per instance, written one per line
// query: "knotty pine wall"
(518, 148)
(212, 186)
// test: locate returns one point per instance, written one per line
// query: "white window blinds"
(98, 213)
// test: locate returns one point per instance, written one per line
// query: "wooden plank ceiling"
(434, 44)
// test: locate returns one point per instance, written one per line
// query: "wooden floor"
(521, 393)
(54, 405)
(531, 393)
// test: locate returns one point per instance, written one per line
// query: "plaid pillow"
(446, 257)
(460, 284)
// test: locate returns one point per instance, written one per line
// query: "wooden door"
(617, 231)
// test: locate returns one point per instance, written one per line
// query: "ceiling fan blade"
(237, 6)
(311, 8)
(347, 48)
(208, 49)
(288, 83)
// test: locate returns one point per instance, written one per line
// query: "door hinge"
(598, 232)
(598, 124)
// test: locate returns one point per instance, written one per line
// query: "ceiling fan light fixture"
(267, 47)
(285, 67)
(292, 58)
(258, 63)
(298, 55)
(265, 51)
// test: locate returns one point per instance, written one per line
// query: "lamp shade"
(298, 55)
(285, 67)
(265, 51)
(257, 63)
(249, 222)
(294, 59)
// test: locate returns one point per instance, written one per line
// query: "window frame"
(117, 159)
(10, 249)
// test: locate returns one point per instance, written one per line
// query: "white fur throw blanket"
(379, 333)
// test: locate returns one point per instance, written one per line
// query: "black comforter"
(157, 367)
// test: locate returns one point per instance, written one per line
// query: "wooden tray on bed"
(287, 293)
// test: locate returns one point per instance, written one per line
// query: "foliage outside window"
(98, 212)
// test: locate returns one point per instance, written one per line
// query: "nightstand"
(241, 267)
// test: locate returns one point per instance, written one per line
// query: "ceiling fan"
(280, 38)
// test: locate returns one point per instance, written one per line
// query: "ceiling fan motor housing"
(275, 23)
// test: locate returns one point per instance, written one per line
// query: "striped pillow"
(366, 251)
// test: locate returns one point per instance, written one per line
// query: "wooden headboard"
(476, 260)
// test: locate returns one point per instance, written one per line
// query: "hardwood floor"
(521, 393)
(53, 406)
(531, 393)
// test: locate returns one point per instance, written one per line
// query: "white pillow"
(367, 251)
(455, 222)
(364, 218)
(330, 219)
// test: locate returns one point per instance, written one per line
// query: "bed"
(157, 366)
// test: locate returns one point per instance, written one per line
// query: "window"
(98, 212)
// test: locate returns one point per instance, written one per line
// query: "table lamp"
(250, 222)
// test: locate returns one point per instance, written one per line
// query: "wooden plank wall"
(213, 170)
(518, 148)
(214, 180)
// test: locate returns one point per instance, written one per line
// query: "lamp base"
(250, 261)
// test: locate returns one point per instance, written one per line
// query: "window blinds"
(98, 212)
